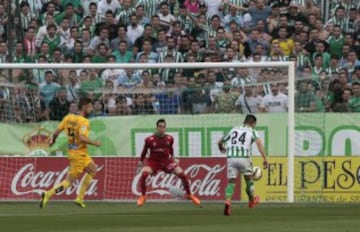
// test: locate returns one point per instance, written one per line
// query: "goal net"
(200, 102)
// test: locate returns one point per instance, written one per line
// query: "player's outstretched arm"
(54, 137)
(261, 149)
(59, 129)
(86, 140)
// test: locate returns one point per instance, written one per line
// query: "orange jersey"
(74, 126)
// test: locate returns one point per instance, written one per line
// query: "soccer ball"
(176, 192)
(257, 173)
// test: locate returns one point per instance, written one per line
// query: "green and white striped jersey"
(238, 141)
(151, 7)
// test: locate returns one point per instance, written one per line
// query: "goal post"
(288, 66)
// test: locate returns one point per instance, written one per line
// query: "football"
(176, 192)
(257, 173)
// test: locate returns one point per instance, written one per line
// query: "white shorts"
(236, 166)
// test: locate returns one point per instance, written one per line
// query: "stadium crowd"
(326, 52)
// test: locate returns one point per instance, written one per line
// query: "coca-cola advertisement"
(116, 179)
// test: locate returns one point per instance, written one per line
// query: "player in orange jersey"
(77, 130)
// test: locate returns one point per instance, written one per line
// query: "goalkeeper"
(161, 158)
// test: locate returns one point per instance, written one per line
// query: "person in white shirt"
(134, 30)
(248, 102)
(213, 7)
(105, 5)
(112, 74)
(85, 5)
(73, 87)
(274, 102)
(166, 19)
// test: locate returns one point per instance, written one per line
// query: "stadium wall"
(317, 179)
(195, 135)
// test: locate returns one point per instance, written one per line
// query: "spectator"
(260, 12)
(310, 46)
(302, 58)
(121, 36)
(341, 101)
(59, 105)
(122, 15)
(255, 39)
(161, 42)
(151, 56)
(142, 105)
(52, 39)
(73, 87)
(147, 35)
(321, 50)
(274, 102)
(248, 103)
(102, 38)
(110, 23)
(145, 86)
(354, 102)
(37, 105)
(166, 18)
(129, 79)
(150, 6)
(49, 88)
(286, 44)
(30, 43)
(305, 100)
(140, 14)
(122, 106)
(43, 31)
(224, 102)
(134, 30)
(91, 84)
(73, 108)
(70, 15)
(171, 50)
(201, 101)
(105, 5)
(185, 20)
(98, 110)
(101, 56)
(25, 15)
(336, 41)
(169, 102)
(334, 66)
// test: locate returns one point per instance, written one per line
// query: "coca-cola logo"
(28, 180)
(204, 181)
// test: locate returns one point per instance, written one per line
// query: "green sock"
(229, 191)
(250, 189)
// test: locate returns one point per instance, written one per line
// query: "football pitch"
(173, 217)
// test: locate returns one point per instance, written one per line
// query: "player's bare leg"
(145, 172)
(229, 191)
(253, 200)
(45, 196)
(90, 174)
(180, 173)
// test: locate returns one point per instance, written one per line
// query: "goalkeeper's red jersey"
(161, 148)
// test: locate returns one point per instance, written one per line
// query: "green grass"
(174, 217)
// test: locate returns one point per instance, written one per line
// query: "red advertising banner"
(26, 178)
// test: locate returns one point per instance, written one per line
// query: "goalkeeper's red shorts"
(167, 165)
